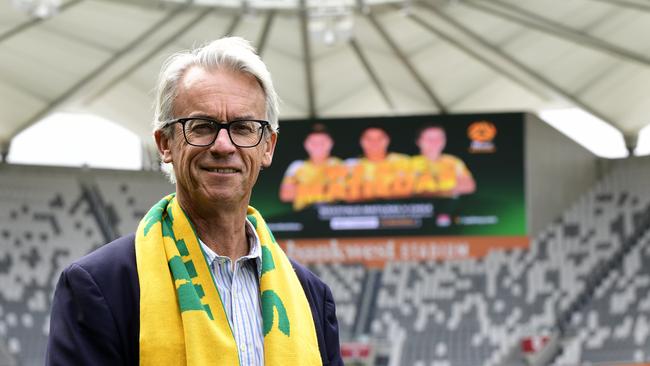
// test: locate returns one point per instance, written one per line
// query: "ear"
(269, 148)
(163, 142)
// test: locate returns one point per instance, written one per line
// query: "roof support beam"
(514, 13)
(30, 23)
(307, 59)
(480, 57)
(5, 146)
(63, 97)
(400, 55)
(522, 67)
(594, 80)
(159, 47)
(373, 76)
(628, 4)
(233, 25)
(264, 37)
(631, 141)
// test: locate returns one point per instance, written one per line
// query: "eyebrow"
(238, 118)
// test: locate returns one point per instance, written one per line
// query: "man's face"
(431, 142)
(318, 145)
(220, 173)
(374, 142)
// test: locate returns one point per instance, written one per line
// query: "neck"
(434, 157)
(376, 157)
(222, 230)
(319, 160)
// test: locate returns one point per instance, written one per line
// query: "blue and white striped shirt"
(240, 294)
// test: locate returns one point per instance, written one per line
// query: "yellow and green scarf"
(182, 318)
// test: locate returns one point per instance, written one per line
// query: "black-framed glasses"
(203, 131)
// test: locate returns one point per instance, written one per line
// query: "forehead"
(318, 136)
(432, 132)
(374, 133)
(219, 92)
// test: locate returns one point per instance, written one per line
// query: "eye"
(200, 127)
(244, 127)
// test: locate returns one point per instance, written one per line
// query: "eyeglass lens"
(242, 133)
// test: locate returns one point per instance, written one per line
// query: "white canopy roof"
(427, 56)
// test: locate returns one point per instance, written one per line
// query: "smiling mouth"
(222, 170)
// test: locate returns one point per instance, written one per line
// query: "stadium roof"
(337, 58)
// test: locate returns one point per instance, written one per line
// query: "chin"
(225, 196)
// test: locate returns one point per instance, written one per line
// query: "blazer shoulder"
(95, 309)
(114, 256)
(310, 282)
(114, 270)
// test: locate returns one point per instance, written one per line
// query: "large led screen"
(442, 176)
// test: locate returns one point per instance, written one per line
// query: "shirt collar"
(255, 252)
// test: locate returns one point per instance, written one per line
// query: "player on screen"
(436, 173)
(310, 181)
(374, 176)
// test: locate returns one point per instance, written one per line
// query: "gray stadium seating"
(45, 222)
(586, 274)
(129, 195)
(614, 324)
(475, 312)
(346, 282)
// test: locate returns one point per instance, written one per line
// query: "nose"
(222, 144)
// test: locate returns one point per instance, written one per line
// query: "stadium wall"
(557, 171)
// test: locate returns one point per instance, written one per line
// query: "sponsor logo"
(482, 134)
(443, 220)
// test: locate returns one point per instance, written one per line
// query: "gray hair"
(234, 53)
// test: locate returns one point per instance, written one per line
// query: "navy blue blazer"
(95, 318)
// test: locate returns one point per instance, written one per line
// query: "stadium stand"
(128, 196)
(584, 276)
(612, 325)
(615, 326)
(48, 218)
(6, 359)
(475, 312)
(45, 222)
(346, 282)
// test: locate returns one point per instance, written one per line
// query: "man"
(439, 174)
(202, 282)
(312, 181)
(379, 173)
